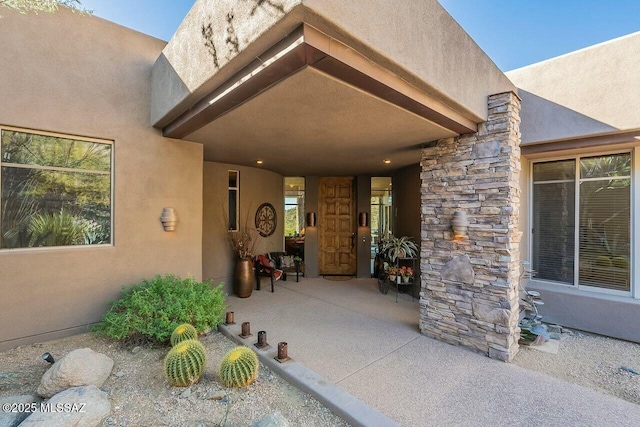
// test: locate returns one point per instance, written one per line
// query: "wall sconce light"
(311, 219)
(363, 219)
(459, 225)
(169, 219)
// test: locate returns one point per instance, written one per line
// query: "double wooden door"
(336, 226)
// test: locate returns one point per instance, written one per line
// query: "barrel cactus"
(239, 367)
(182, 333)
(184, 365)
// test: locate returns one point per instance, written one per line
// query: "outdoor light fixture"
(47, 357)
(386, 161)
(363, 219)
(169, 219)
(459, 225)
(311, 219)
(259, 162)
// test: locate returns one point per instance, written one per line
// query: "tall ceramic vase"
(243, 281)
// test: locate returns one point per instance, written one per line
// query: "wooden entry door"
(336, 226)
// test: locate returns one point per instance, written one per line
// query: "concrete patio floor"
(370, 346)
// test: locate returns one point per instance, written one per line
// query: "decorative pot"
(405, 279)
(392, 277)
(243, 280)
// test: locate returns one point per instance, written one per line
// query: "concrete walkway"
(370, 346)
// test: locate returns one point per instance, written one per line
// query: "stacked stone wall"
(469, 286)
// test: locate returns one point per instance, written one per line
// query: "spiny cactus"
(182, 333)
(184, 365)
(239, 367)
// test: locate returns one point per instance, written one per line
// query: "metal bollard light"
(282, 353)
(246, 330)
(229, 320)
(262, 340)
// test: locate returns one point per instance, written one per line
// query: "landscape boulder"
(78, 406)
(13, 418)
(78, 368)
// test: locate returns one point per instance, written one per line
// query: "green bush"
(151, 310)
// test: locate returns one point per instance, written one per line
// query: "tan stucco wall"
(590, 91)
(80, 75)
(257, 186)
(416, 39)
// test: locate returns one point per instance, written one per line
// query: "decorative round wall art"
(266, 220)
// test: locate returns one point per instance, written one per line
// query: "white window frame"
(111, 193)
(634, 272)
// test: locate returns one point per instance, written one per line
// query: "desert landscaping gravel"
(591, 361)
(140, 395)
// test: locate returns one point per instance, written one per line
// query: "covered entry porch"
(313, 89)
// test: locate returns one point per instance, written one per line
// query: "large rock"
(79, 368)
(458, 269)
(13, 418)
(275, 419)
(77, 407)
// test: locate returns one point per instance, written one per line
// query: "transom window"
(593, 193)
(55, 190)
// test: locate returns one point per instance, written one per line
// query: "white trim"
(635, 222)
(111, 174)
(557, 181)
(576, 227)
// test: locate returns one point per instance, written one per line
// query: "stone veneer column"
(469, 291)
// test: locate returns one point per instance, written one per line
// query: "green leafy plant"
(239, 368)
(182, 333)
(150, 310)
(399, 247)
(184, 364)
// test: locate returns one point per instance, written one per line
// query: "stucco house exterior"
(116, 126)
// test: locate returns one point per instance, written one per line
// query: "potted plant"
(392, 271)
(399, 247)
(406, 273)
(243, 243)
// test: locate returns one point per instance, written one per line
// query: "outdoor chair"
(265, 268)
(290, 267)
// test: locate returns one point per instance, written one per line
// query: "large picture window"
(55, 191)
(594, 193)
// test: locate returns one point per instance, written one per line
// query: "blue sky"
(514, 33)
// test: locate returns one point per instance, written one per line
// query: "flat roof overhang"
(312, 105)
(308, 47)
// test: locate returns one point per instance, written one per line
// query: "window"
(234, 199)
(294, 206)
(55, 190)
(594, 193)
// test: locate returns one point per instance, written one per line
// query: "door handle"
(353, 240)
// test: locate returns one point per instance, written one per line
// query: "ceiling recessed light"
(386, 161)
(259, 162)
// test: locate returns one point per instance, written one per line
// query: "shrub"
(151, 310)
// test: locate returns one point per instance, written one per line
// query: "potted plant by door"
(399, 247)
(243, 242)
